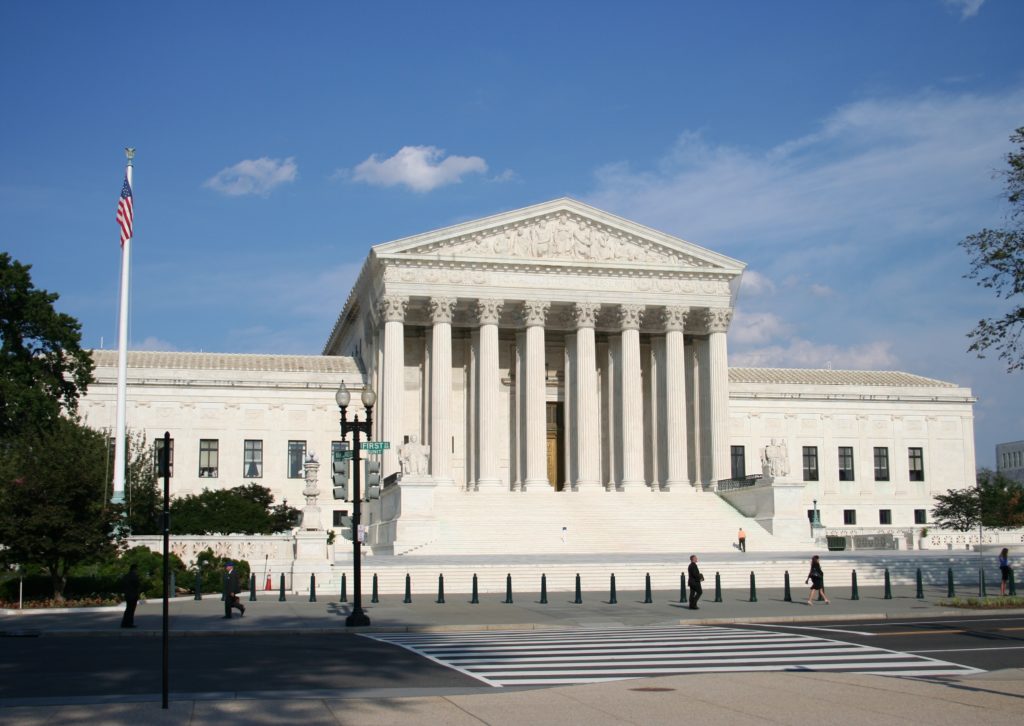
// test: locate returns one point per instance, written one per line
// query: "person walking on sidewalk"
(817, 579)
(695, 582)
(130, 587)
(742, 537)
(1004, 570)
(231, 590)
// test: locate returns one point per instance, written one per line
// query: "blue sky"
(841, 149)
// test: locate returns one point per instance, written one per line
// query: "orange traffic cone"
(268, 585)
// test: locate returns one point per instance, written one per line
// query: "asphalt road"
(979, 641)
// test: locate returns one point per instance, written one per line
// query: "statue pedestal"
(776, 504)
(407, 518)
(311, 544)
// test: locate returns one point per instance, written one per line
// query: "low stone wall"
(267, 555)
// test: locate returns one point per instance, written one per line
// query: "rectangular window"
(916, 463)
(739, 464)
(849, 516)
(158, 447)
(296, 458)
(209, 455)
(881, 463)
(920, 516)
(845, 463)
(338, 514)
(252, 459)
(885, 516)
(810, 463)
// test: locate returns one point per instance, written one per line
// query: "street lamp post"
(355, 427)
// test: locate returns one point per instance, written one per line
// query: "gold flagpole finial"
(129, 152)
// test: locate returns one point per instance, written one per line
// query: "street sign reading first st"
(374, 445)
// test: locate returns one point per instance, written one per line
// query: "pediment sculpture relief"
(561, 237)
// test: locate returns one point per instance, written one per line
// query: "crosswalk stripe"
(592, 655)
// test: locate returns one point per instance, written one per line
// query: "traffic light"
(373, 479)
(340, 478)
(346, 527)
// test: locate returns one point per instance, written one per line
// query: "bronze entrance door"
(556, 448)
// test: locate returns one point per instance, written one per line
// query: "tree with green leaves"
(144, 497)
(997, 263)
(43, 369)
(997, 501)
(247, 509)
(53, 505)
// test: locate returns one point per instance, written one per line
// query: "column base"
(536, 486)
(632, 485)
(489, 485)
(586, 485)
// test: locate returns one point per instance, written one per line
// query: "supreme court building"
(542, 372)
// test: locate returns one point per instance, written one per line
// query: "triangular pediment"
(563, 230)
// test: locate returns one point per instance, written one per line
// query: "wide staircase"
(549, 522)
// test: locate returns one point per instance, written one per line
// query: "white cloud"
(754, 283)
(756, 328)
(421, 168)
(967, 8)
(799, 353)
(820, 290)
(154, 344)
(253, 176)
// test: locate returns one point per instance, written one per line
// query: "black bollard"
(682, 587)
(753, 588)
(543, 589)
(312, 588)
(612, 600)
(647, 590)
(408, 589)
(280, 598)
(920, 586)
(950, 587)
(1013, 585)
(475, 600)
(252, 587)
(579, 593)
(440, 589)
(344, 595)
(718, 587)
(787, 596)
(888, 586)
(508, 589)
(373, 592)
(982, 591)
(199, 586)
(854, 591)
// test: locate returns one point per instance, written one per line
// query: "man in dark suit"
(695, 579)
(231, 590)
(130, 586)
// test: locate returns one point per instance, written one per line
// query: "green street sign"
(374, 445)
(343, 455)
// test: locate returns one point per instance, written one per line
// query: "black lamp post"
(357, 616)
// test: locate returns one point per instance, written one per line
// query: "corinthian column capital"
(488, 310)
(717, 319)
(442, 309)
(585, 314)
(392, 308)
(535, 313)
(674, 317)
(629, 316)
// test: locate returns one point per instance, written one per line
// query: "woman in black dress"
(817, 579)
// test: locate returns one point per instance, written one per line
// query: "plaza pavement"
(734, 699)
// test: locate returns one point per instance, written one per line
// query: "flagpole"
(122, 356)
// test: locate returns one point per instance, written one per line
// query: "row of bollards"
(612, 595)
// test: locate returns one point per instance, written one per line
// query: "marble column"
(488, 312)
(535, 314)
(718, 320)
(674, 397)
(588, 430)
(632, 421)
(441, 310)
(392, 310)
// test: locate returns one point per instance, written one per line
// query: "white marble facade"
(554, 351)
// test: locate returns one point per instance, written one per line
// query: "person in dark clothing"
(231, 590)
(130, 588)
(817, 579)
(696, 590)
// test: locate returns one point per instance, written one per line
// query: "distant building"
(1010, 460)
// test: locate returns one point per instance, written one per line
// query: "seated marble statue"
(413, 457)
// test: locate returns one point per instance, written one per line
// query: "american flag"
(124, 212)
